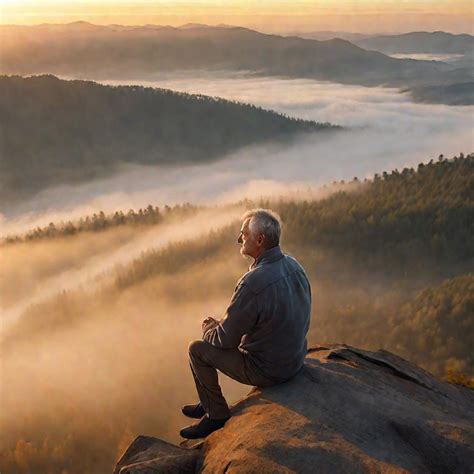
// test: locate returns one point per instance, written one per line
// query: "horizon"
(226, 25)
(269, 16)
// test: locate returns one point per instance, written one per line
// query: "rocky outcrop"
(148, 455)
(347, 411)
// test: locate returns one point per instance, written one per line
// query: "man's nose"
(239, 240)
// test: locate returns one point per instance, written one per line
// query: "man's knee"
(196, 347)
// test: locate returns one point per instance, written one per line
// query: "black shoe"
(202, 429)
(193, 411)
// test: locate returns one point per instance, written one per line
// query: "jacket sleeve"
(240, 317)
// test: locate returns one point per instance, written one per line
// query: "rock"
(347, 411)
(148, 455)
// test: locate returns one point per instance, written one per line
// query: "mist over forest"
(125, 167)
(93, 129)
(390, 261)
(118, 52)
(136, 53)
(383, 130)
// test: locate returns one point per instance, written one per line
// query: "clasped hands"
(208, 323)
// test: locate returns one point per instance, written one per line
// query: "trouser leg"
(205, 360)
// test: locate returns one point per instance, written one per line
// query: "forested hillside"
(369, 252)
(91, 129)
(440, 321)
(452, 94)
(373, 255)
(404, 224)
(390, 262)
(100, 221)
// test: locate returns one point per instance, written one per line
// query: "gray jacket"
(268, 316)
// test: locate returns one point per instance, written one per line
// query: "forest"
(380, 257)
(391, 265)
(389, 244)
(93, 129)
(405, 223)
(452, 94)
(99, 221)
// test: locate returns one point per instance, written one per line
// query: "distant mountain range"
(55, 131)
(327, 35)
(437, 42)
(452, 94)
(124, 52)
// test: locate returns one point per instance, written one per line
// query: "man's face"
(251, 243)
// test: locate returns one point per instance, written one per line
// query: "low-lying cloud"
(33, 272)
(75, 394)
(387, 131)
(447, 57)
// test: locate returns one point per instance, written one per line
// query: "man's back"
(271, 309)
(277, 343)
(261, 340)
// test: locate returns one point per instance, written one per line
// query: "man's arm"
(240, 317)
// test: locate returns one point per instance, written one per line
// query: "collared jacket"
(268, 316)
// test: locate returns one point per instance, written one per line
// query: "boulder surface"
(347, 411)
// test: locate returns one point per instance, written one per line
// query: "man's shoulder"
(293, 261)
(262, 276)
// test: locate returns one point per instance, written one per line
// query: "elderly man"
(261, 340)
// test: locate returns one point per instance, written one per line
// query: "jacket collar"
(269, 256)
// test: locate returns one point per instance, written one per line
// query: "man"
(261, 340)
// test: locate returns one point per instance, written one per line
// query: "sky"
(369, 16)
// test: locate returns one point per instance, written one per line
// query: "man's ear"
(260, 239)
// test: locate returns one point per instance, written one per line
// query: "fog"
(33, 272)
(428, 56)
(386, 131)
(87, 365)
(89, 370)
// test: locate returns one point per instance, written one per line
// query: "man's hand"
(208, 323)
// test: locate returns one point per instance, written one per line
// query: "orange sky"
(269, 15)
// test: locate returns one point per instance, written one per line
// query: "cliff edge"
(348, 410)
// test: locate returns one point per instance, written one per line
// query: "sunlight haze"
(276, 195)
(268, 15)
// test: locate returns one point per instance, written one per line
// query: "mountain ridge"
(93, 128)
(151, 51)
(420, 42)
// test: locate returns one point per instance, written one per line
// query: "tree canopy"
(55, 131)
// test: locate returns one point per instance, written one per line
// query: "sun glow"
(346, 15)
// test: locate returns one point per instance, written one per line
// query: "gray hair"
(266, 222)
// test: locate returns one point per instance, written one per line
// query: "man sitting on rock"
(261, 340)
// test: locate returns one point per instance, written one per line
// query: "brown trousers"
(205, 360)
